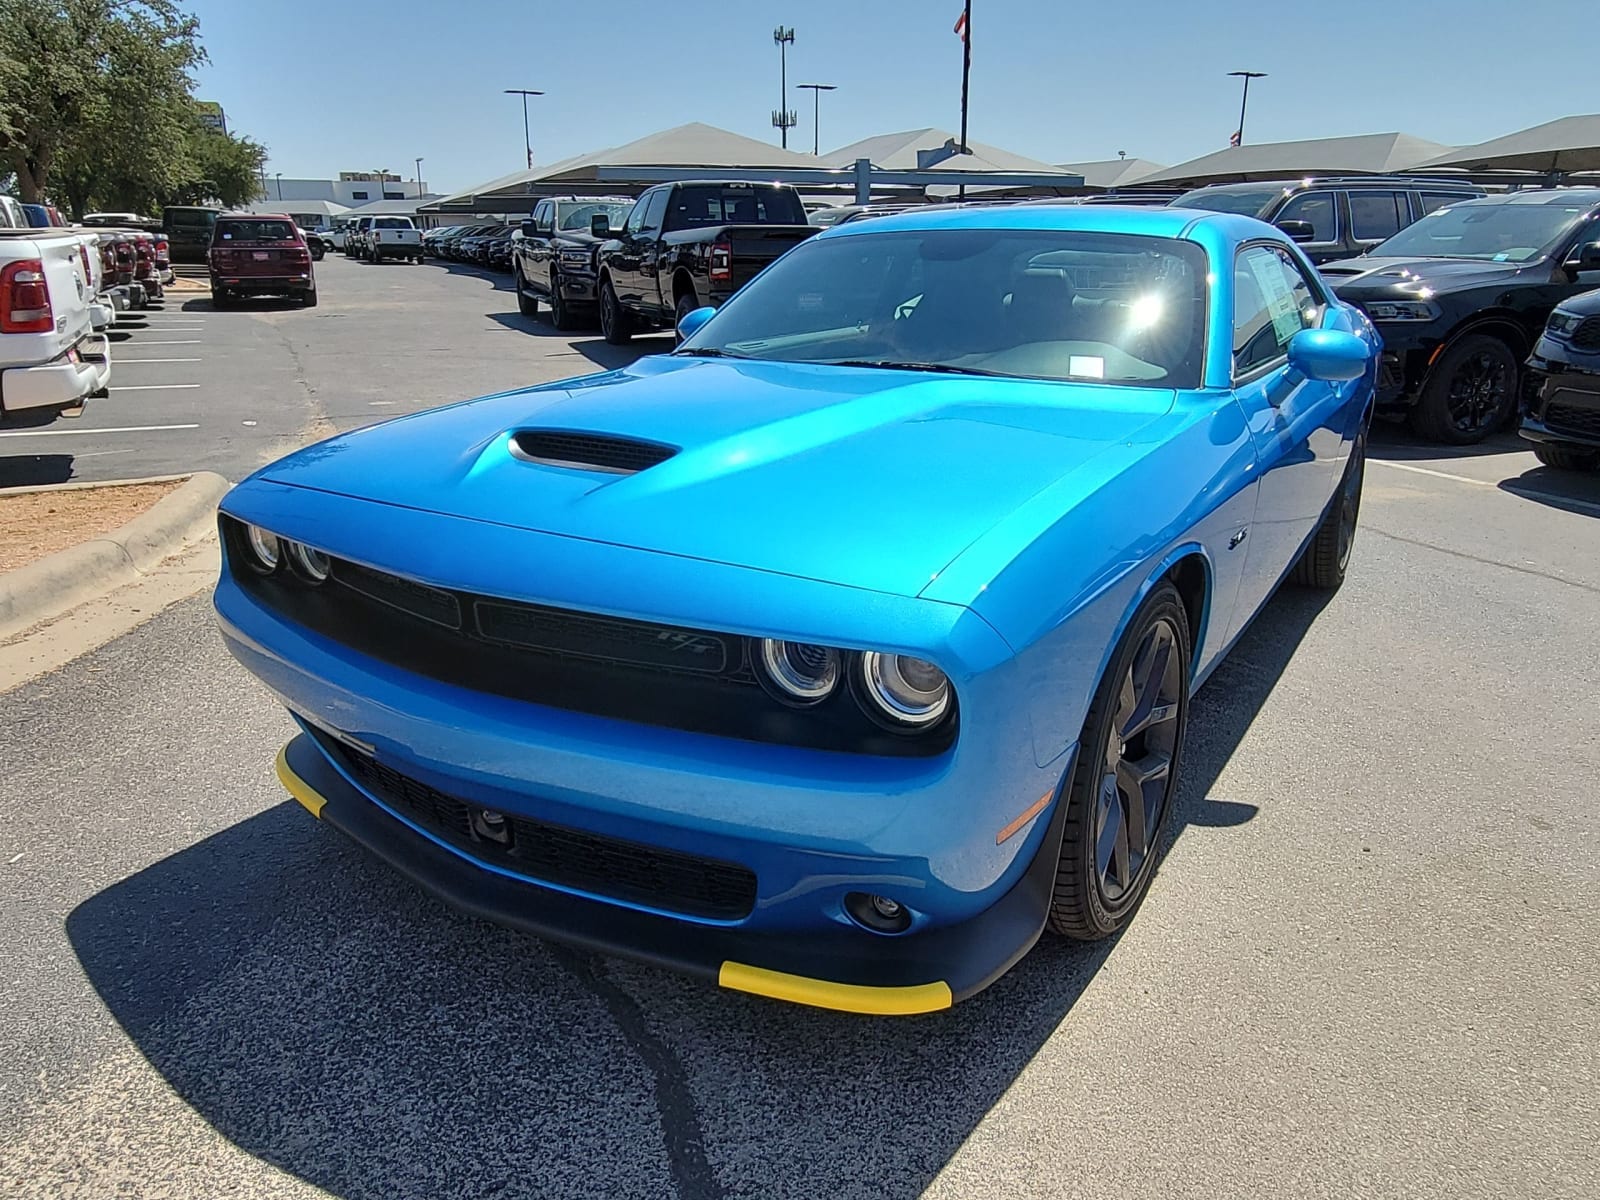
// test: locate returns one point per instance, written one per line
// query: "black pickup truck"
(687, 245)
(554, 259)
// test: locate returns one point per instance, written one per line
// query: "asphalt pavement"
(1367, 967)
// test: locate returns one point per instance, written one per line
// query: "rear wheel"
(1469, 393)
(686, 304)
(1322, 563)
(560, 310)
(527, 305)
(615, 323)
(1566, 458)
(1120, 794)
(221, 297)
(308, 299)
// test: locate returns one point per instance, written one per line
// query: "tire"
(685, 305)
(616, 323)
(1566, 458)
(560, 310)
(1150, 664)
(527, 305)
(221, 297)
(1322, 563)
(1470, 392)
(308, 299)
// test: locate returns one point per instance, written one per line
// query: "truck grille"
(1562, 415)
(1587, 335)
(542, 852)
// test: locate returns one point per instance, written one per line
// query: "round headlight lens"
(799, 672)
(265, 548)
(311, 565)
(905, 690)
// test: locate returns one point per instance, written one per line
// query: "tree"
(87, 81)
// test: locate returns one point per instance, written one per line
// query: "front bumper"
(578, 289)
(1561, 404)
(1408, 350)
(60, 384)
(843, 967)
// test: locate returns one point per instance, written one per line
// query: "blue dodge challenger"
(841, 652)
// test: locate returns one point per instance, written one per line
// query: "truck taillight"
(721, 270)
(83, 253)
(25, 298)
(161, 247)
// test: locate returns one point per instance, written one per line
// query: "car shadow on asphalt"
(501, 280)
(34, 470)
(1570, 491)
(1396, 443)
(327, 1017)
(591, 345)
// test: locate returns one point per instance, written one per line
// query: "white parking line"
(122, 361)
(1510, 486)
(195, 342)
(156, 387)
(1383, 462)
(85, 432)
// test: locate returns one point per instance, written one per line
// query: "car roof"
(1095, 218)
(1577, 196)
(241, 216)
(1311, 181)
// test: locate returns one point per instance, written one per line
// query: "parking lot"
(1367, 966)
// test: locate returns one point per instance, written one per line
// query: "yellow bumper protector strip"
(843, 997)
(311, 799)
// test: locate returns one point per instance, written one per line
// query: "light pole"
(278, 178)
(527, 143)
(816, 90)
(419, 179)
(783, 118)
(1247, 76)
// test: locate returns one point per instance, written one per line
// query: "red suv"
(259, 255)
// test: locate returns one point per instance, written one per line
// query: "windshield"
(576, 216)
(1245, 204)
(254, 231)
(1497, 232)
(1033, 304)
(200, 218)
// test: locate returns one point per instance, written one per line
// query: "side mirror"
(1585, 258)
(694, 320)
(527, 229)
(1330, 355)
(600, 225)
(1299, 231)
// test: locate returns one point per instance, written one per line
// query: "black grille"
(418, 599)
(590, 451)
(586, 862)
(1565, 417)
(1587, 335)
(604, 639)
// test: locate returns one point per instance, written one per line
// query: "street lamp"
(783, 119)
(419, 178)
(527, 143)
(1247, 76)
(278, 178)
(816, 90)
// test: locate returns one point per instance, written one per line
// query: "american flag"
(961, 27)
(1238, 136)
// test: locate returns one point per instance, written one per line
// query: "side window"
(653, 205)
(1377, 215)
(1317, 209)
(1435, 200)
(1272, 301)
(541, 216)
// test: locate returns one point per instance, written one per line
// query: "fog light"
(877, 913)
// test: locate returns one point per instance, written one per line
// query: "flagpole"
(966, 72)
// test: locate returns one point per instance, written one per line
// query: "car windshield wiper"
(706, 352)
(889, 365)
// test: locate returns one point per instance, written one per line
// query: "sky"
(363, 84)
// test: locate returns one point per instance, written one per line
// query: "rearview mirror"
(1299, 231)
(1330, 355)
(600, 225)
(694, 320)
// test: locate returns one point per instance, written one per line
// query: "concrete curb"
(61, 581)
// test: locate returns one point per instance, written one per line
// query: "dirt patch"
(33, 524)
(188, 285)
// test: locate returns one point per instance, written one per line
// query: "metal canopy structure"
(1109, 174)
(1556, 149)
(698, 151)
(1367, 154)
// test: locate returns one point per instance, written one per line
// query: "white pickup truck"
(51, 360)
(392, 237)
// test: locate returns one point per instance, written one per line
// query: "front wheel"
(1566, 458)
(1120, 794)
(560, 310)
(1469, 393)
(616, 326)
(527, 305)
(1323, 562)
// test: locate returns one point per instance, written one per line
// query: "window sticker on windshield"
(1502, 256)
(1086, 366)
(226, 236)
(1281, 307)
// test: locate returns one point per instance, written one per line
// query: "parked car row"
(382, 237)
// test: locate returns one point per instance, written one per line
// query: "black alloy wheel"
(686, 304)
(560, 310)
(1469, 393)
(615, 326)
(1120, 794)
(527, 305)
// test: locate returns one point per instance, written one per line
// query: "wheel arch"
(1500, 323)
(682, 283)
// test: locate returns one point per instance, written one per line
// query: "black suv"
(1561, 406)
(1337, 217)
(1461, 296)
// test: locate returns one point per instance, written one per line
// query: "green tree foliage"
(97, 111)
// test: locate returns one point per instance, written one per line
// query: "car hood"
(863, 477)
(1356, 278)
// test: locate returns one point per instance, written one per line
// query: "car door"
(651, 250)
(536, 251)
(1377, 214)
(624, 260)
(1299, 425)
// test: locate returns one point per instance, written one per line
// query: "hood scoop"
(577, 451)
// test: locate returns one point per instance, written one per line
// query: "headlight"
(575, 258)
(1402, 310)
(904, 691)
(798, 672)
(266, 551)
(311, 565)
(1561, 323)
